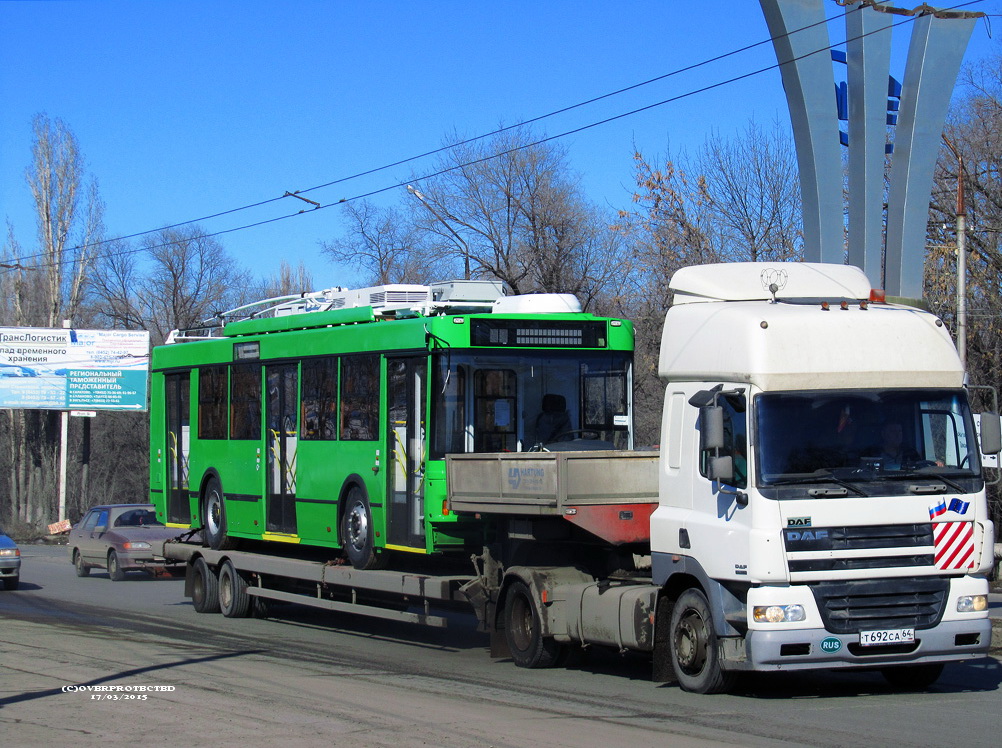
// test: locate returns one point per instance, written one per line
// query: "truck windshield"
(862, 436)
(553, 400)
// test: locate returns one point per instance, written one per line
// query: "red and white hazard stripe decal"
(954, 543)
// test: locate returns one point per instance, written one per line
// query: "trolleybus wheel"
(214, 518)
(357, 531)
(523, 630)
(693, 645)
(204, 587)
(234, 602)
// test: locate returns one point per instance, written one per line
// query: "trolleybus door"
(406, 437)
(177, 389)
(282, 434)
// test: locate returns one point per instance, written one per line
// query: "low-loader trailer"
(817, 501)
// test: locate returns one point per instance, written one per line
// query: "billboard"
(59, 369)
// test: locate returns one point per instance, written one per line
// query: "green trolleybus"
(324, 419)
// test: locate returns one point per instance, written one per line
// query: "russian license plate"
(887, 636)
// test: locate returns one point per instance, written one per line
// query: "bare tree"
(382, 246)
(42, 288)
(510, 208)
(179, 279)
(736, 200)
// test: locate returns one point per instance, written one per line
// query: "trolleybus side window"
(449, 402)
(212, 402)
(496, 410)
(245, 401)
(360, 397)
(320, 399)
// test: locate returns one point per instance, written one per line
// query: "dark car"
(119, 538)
(10, 562)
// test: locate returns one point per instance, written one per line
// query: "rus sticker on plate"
(887, 636)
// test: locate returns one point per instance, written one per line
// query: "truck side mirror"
(722, 469)
(711, 427)
(991, 433)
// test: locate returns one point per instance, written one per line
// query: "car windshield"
(138, 518)
(864, 436)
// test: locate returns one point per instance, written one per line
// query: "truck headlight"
(972, 603)
(779, 613)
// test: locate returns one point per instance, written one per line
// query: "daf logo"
(795, 536)
(798, 522)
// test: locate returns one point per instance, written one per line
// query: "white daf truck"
(817, 501)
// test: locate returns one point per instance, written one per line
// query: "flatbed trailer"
(542, 509)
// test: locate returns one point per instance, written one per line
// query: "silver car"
(119, 538)
(10, 562)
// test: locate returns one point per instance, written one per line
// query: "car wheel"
(357, 531)
(204, 587)
(234, 602)
(10, 583)
(82, 569)
(115, 571)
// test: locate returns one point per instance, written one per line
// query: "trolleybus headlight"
(972, 603)
(779, 613)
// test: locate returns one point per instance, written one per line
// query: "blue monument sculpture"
(917, 107)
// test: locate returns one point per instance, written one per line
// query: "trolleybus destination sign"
(73, 369)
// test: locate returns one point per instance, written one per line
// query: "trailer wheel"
(357, 531)
(115, 571)
(234, 602)
(82, 569)
(214, 518)
(693, 643)
(204, 587)
(913, 677)
(523, 630)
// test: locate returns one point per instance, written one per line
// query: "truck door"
(177, 389)
(282, 435)
(405, 392)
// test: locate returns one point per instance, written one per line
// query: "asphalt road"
(305, 677)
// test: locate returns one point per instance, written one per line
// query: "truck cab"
(822, 502)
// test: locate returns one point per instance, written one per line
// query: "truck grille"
(822, 540)
(865, 605)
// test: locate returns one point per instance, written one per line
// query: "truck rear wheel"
(523, 630)
(204, 587)
(693, 644)
(234, 602)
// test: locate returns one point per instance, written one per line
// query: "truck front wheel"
(523, 630)
(693, 644)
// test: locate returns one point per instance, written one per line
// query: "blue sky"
(185, 108)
